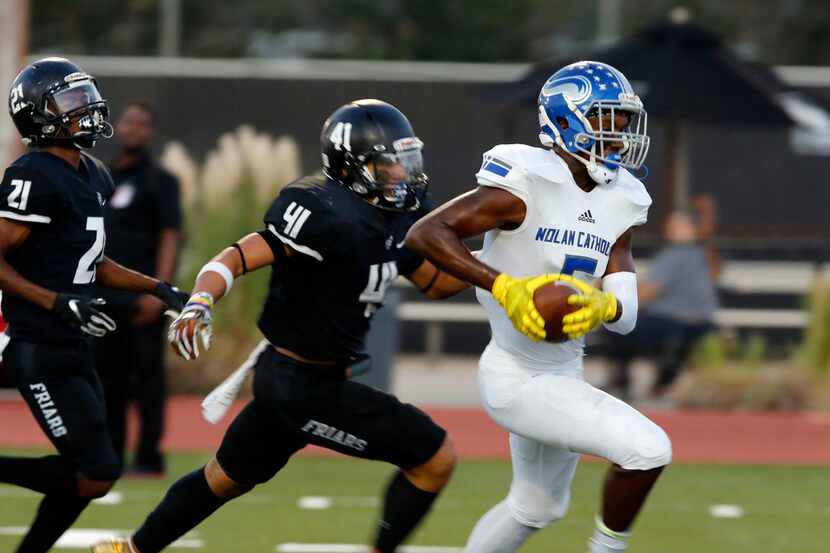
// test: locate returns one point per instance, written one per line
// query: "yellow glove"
(515, 295)
(596, 307)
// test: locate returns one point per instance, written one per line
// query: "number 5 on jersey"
(578, 264)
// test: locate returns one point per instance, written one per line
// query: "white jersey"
(566, 230)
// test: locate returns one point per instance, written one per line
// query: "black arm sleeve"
(408, 259)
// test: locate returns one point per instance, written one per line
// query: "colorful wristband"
(203, 299)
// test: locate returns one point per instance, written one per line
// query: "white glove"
(193, 325)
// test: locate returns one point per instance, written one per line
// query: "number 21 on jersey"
(19, 197)
(85, 273)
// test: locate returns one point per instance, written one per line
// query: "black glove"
(83, 313)
(174, 298)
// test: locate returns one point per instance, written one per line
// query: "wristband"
(220, 269)
(203, 299)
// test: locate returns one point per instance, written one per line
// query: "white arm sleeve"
(624, 287)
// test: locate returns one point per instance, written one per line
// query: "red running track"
(698, 436)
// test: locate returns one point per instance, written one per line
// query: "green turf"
(786, 508)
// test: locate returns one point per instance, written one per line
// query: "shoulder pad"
(31, 164)
(633, 188)
(305, 220)
(509, 156)
(635, 195)
(509, 165)
(318, 192)
(32, 160)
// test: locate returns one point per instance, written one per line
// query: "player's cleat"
(114, 545)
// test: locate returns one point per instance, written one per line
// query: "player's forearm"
(113, 275)
(444, 248)
(168, 254)
(446, 286)
(434, 282)
(439, 236)
(214, 282)
(13, 283)
(218, 275)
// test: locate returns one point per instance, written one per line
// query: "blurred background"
(738, 95)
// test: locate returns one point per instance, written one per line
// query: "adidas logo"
(587, 217)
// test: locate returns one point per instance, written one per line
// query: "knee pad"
(534, 507)
(650, 451)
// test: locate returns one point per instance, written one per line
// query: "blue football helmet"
(587, 88)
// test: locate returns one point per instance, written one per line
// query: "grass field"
(786, 509)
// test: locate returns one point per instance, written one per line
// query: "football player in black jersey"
(51, 252)
(335, 242)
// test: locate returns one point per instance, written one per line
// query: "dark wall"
(762, 188)
(456, 126)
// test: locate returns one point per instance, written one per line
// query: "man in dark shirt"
(143, 222)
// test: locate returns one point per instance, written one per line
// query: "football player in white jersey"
(563, 212)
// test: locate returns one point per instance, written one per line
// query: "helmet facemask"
(393, 180)
(599, 146)
(77, 113)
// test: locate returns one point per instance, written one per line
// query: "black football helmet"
(54, 101)
(370, 147)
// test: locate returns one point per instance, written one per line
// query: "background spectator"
(678, 300)
(143, 223)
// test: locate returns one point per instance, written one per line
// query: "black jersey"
(145, 202)
(65, 209)
(321, 300)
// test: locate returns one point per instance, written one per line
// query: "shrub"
(224, 199)
(815, 349)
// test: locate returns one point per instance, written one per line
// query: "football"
(551, 301)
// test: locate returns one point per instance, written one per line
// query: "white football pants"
(552, 418)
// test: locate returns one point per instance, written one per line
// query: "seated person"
(678, 302)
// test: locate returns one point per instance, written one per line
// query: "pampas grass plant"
(225, 198)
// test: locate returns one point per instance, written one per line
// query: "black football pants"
(296, 404)
(130, 362)
(59, 384)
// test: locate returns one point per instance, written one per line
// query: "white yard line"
(321, 502)
(83, 538)
(112, 498)
(726, 511)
